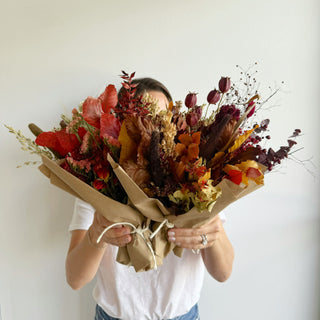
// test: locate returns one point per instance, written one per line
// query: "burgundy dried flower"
(194, 116)
(228, 109)
(191, 100)
(224, 84)
(213, 96)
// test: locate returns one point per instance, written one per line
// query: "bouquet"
(152, 169)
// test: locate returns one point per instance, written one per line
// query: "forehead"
(158, 95)
(161, 97)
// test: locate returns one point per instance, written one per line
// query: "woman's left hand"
(194, 238)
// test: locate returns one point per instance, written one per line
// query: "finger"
(117, 232)
(118, 241)
(195, 242)
(195, 232)
(104, 222)
(192, 240)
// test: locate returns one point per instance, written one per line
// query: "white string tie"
(164, 222)
(139, 231)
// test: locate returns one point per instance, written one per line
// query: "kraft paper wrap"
(140, 211)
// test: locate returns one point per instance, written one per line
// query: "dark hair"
(149, 84)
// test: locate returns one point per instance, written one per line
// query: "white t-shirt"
(170, 291)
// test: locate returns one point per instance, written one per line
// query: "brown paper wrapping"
(140, 211)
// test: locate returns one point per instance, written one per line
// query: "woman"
(170, 292)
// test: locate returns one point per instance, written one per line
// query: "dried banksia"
(154, 157)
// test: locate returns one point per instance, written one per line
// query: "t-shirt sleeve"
(222, 217)
(83, 214)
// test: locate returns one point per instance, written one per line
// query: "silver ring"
(204, 239)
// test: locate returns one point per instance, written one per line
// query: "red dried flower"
(92, 110)
(98, 184)
(110, 128)
(235, 176)
(109, 98)
(59, 141)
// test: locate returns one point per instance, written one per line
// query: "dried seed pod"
(213, 96)
(191, 100)
(224, 84)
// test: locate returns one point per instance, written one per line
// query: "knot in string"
(164, 222)
(140, 231)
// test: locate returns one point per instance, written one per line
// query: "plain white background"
(56, 53)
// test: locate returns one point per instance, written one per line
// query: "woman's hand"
(194, 238)
(85, 254)
(118, 235)
(217, 253)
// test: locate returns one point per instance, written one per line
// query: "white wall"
(55, 53)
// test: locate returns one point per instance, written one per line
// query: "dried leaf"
(137, 173)
(128, 146)
(209, 147)
(241, 140)
(216, 159)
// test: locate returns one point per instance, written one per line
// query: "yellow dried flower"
(169, 132)
(203, 199)
(30, 145)
(153, 104)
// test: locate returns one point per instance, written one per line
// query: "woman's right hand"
(118, 235)
(85, 254)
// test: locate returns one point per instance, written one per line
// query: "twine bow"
(140, 231)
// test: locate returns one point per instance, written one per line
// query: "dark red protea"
(213, 96)
(191, 100)
(224, 84)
